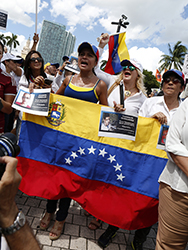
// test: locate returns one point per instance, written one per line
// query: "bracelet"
(61, 70)
(1, 105)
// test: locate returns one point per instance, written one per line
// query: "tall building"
(26, 49)
(55, 42)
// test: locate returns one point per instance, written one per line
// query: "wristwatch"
(18, 223)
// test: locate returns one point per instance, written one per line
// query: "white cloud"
(19, 10)
(157, 20)
(148, 57)
(77, 12)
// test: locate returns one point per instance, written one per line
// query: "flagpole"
(36, 17)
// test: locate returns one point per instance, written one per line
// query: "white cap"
(134, 62)
(8, 56)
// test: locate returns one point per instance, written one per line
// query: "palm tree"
(175, 59)
(12, 41)
(3, 39)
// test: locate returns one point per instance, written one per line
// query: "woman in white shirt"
(162, 108)
(131, 80)
(130, 83)
(173, 191)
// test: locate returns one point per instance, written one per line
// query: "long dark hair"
(2, 45)
(27, 68)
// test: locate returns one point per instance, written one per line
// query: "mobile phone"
(48, 81)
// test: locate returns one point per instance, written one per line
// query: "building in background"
(55, 42)
(26, 49)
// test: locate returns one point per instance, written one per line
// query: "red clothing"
(6, 88)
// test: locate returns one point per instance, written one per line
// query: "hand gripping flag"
(116, 180)
(117, 52)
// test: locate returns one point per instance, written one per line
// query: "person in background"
(15, 72)
(7, 93)
(11, 67)
(51, 69)
(84, 86)
(61, 75)
(20, 62)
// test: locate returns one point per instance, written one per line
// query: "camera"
(8, 147)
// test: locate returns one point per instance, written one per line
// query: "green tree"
(12, 41)
(3, 39)
(175, 59)
(150, 81)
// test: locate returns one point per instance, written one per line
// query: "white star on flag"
(111, 158)
(117, 167)
(81, 151)
(92, 150)
(120, 177)
(102, 152)
(68, 161)
(74, 155)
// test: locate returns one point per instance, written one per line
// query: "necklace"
(127, 93)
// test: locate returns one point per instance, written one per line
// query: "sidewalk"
(75, 235)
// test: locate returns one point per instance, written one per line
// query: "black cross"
(121, 23)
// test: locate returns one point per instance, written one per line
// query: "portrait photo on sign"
(36, 103)
(73, 65)
(162, 136)
(117, 124)
(24, 99)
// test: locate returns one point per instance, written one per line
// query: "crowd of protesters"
(94, 85)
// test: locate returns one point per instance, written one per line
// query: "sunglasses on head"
(129, 67)
(173, 80)
(39, 59)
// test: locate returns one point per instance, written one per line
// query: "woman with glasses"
(130, 80)
(33, 69)
(163, 109)
(173, 190)
(33, 74)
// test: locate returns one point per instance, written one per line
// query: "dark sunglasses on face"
(39, 59)
(173, 80)
(129, 67)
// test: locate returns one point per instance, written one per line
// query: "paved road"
(75, 235)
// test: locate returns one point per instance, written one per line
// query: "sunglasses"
(129, 67)
(175, 80)
(39, 59)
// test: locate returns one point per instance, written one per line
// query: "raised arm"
(35, 41)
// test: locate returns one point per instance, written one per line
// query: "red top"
(6, 88)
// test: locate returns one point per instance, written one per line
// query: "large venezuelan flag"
(117, 52)
(113, 179)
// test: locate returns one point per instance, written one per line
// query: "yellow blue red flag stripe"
(113, 179)
(117, 52)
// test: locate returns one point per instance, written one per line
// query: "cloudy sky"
(153, 23)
